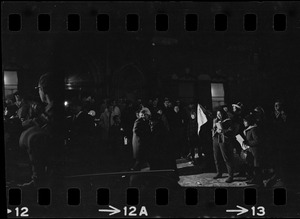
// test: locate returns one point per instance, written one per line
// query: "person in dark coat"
(116, 136)
(160, 150)
(83, 123)
(140, 139)
(278, 139)
(177, 131)
(43, 140)
(192, 135)
(253, 143)
(23, 111)
(222, 144)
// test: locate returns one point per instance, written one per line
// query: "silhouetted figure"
(43, 140)
(177, 131)
(192, 135)
(160, 149)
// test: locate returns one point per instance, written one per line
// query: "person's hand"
(219, 130)
(245, 147)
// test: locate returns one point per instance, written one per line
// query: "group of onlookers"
(157, 132)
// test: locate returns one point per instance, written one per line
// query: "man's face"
(246, 124)
(167, 103)
(277, 106)
(219, 115)
(146, 116)
(18, 98)
(225, 108)
(234, 108)
(141, 115)
(193, 116)
(176, 109)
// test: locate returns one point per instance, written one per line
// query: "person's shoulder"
(138, 120)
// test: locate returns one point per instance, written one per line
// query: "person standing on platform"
(222, 144)
(238, 127)
(254, 143)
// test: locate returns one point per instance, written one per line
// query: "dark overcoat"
(254, 140)
(140, 138)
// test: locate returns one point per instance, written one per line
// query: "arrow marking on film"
(8, 211)
(240, 211)
(112, 211)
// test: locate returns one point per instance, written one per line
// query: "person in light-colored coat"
(140, 139)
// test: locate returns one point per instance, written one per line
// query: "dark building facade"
(144, 64)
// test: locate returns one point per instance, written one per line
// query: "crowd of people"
(262, 141)
(151, 134)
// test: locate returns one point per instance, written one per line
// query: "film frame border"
(284, 25)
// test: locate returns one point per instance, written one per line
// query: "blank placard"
(44, 22)
(132, 22)
(44, 196)
(191, 22)
(162, 196)
(132, 196)
(73, 196)
(221, 196)
(14, 196)
(279, 22)
(279, 196)
(250, 196)
(191, 196)
(162, 22)
(102, 22)
(103, 196)
(73, 22)
(14, 22)
(220, 22)
(250, 22)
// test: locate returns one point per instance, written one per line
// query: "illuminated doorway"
(217, 94)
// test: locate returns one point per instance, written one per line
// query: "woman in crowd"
(140, 139)
(222, 144)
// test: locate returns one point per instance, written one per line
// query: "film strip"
(189, 197)
(132, 22)
(129, 34)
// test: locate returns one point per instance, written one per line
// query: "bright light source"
(10, 78)
(217, 90)
(66, 103)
